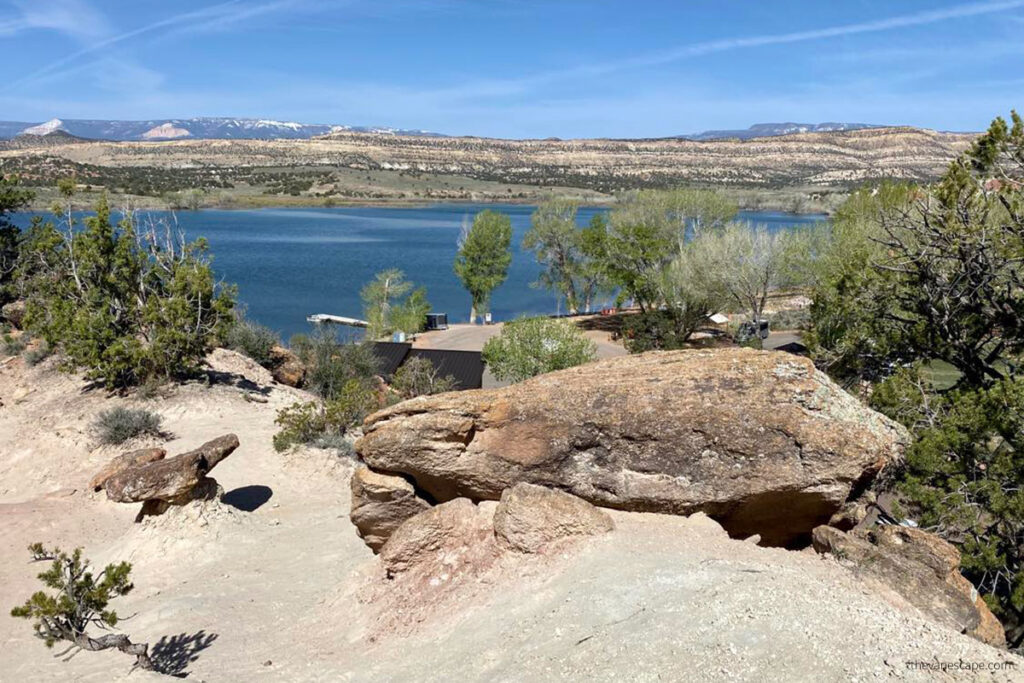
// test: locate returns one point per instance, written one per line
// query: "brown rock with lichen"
(760, 441)
(922, 568)
(172, 481)
(123, 462)
(286, 367)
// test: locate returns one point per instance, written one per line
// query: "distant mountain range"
(768, 130)
(203, 128)
(215, 128)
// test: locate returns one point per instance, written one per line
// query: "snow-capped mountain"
(45, 128)
(201, 127)
(765, 130)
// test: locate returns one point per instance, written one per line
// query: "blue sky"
(516, 68)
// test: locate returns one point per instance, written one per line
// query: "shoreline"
(154, 204)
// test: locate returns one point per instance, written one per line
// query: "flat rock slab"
(760, 441)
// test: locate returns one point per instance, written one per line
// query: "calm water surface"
(289, 263)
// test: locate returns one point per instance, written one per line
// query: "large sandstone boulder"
(529, 517)
(760, 441)
(380, 503)
(174, 481)
(123, 462)
(922, 568)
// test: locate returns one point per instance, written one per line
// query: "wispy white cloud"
(208, 18)
(512, 86)
(70, 17)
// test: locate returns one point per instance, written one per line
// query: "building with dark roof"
(466, 368)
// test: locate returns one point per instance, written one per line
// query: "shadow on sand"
(173, 654)
(247, 498)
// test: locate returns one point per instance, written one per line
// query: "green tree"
(532, 346)
(745, 263)
(483, 258)
(391, 303)
(410, 316)
(127, 303)
(12, 198)
(944, 284)
(556, 241)
(692, 211)
(80, 603)
(851, 335)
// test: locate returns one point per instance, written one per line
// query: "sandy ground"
(274, 585)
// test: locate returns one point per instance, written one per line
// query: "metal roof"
(465, 367)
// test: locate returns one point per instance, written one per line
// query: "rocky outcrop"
(173, 481)
(14, 313)
(760, 441)
(123, 462)
(922, 568)
(286, 367)
(529, 517)
(380, 503)
(459, 533)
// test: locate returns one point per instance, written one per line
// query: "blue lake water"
(290, 263)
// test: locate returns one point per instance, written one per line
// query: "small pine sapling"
(80, 603)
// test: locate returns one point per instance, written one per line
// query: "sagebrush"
(117, 425)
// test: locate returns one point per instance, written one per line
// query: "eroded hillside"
(369, 165)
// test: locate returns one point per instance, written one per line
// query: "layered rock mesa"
(760, 441)
(828, 159)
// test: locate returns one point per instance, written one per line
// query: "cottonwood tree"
(693, 211)
(79, 605)
(556, 241)
(630, 249)
(743, 262)
(484, 255)
(128, 303)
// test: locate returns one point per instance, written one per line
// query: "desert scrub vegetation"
(37, 355)
(118, 425)
(344, 378)
(419, 377)
(13, 345)
(252, 339)
(78, 603)
(126, 303)
(533, 346)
